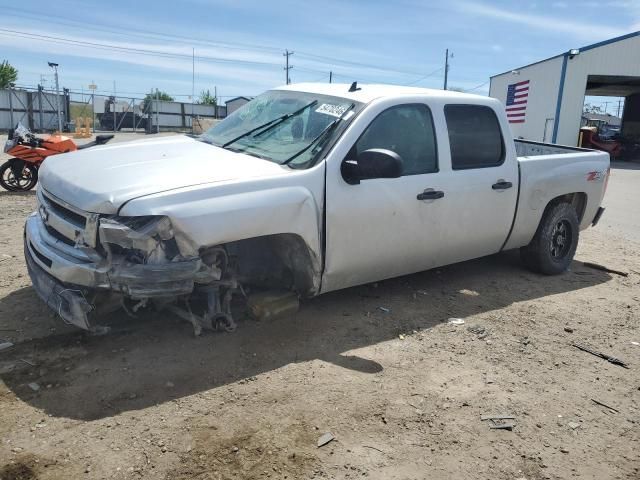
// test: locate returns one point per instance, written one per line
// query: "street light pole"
(55, 72)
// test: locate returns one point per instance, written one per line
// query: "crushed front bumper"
(66, 277)
(68, 301)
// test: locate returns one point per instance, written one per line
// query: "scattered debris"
(568, 329)
(471, 293)
(34, 386)
(28, 362)
(5, 344)
(637, 344)
(455, 321)
(401, 337)
(169, 385)
(564, 450)
(597, 266)
(573, 425)
(384, 309)
(608, 358)
(478, 330)
(499, 422)
(496, 417)
(374, 448)
(324, 439)
(605, 405)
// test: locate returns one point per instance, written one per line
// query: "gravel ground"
(377, 366)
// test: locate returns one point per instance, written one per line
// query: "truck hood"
(101, 179)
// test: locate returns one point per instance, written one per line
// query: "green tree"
(147, 104)
(8, 74)
(206, 98)
(588, 108)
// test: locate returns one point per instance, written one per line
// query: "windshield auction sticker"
(333, 110)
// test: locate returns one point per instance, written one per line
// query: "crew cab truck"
(308, 188)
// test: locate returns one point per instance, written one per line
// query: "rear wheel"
(26, 180)
(554, 244)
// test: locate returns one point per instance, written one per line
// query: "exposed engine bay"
(100, 263)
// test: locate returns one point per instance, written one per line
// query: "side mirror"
(372, 163)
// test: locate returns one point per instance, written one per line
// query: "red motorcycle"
(20, 173)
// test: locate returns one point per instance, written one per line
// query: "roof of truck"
(368, 92)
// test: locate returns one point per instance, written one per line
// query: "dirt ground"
(378, 366)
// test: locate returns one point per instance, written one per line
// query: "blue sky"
(369, 41)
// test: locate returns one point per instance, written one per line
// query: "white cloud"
(581, 30)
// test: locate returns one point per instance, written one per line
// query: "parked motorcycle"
(29, 151)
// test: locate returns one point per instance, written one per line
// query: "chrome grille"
(65, 222)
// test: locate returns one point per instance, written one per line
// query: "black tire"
(27, 181)
(554, 244)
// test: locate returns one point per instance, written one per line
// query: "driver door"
(380, 228)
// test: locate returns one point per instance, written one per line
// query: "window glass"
(283, 126)
(475, 136)
(406, 130)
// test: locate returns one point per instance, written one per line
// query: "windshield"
(282, 126)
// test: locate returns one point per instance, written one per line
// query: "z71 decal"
(595, 176)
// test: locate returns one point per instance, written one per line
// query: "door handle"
(430, 195)
(501, 185)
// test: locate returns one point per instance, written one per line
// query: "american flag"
(517, 96)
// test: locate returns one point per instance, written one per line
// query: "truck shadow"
(27, 194)
(157, 359)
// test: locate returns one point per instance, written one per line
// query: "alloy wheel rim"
(561, 239)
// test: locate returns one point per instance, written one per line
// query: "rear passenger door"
(482, 182)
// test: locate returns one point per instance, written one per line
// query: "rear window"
(475, 136)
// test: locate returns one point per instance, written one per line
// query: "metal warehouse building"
(544, 100)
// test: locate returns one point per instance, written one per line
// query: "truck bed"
(527, 148)
(548, 171)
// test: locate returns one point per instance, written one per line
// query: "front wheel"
(554, 244)
(26, 180)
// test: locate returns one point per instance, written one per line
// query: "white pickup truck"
(308, 188)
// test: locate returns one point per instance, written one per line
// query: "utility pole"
(114, 105)
(330, 77)
(215, 95)
(193, 84)
(157, 111)
(93, 87)
(619, 103)
(287, 67)
(55, 72)
(446, 68)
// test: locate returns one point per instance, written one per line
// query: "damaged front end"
(83, 265)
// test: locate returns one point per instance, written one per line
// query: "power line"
(477, 87)
(137, 33)
(137, 51)
(356, 64)
(426, 76)
(191, 40)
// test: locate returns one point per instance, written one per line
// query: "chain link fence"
(38, 109)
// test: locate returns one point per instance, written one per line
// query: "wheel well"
(274, 261)
(577, 199)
